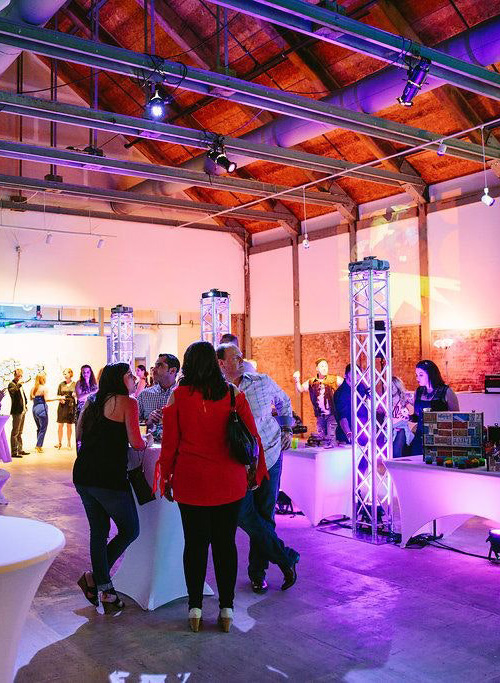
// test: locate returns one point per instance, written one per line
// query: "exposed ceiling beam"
(448, 96)
(108, 215)
(119, 60)
(163, 132)
(81, 160)
(108, 195)
(331, 26)
(181, 33)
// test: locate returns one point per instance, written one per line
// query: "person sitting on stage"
(402, 428)
(321, 390)
(432, 393)
(152, 399)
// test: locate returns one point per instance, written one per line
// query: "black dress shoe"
(16, 455)
(24, 452)
(259, 586)
(290, 576)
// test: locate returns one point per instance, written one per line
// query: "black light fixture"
(156, 106)
(415, 80)
(217, 154)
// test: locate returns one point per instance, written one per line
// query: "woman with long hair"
(66, 409)
(40, 398)
(432, 393)
(108, 423)
(142, 376)
(197, 470)
(85, 387)
(402, 408)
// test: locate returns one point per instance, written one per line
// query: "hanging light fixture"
(217, 154)
(48, 238)
(100, 243)
(156, 107)
(415, 80)
(305, 240)
(441, 150)
(486, 199)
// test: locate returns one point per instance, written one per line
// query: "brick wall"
(473, 354)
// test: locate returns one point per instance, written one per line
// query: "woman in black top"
(66, 410)
(432, 393)
(109, 422)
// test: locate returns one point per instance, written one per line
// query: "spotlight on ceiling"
(494, 541)
(156, 107)
(218, 155)
(48, 238)
(100, 243)
(486, 199)
(305, 242)
(415, 79)
(441, 150)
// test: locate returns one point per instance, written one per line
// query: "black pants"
(210, 525)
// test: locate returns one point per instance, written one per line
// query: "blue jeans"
(257, 519)
(102, 505)
(41, 417)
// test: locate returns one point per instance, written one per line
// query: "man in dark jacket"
(18, 412)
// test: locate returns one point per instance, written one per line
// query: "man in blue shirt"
(342, 401)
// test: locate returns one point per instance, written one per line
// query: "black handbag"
(139, 483)
(243, 445)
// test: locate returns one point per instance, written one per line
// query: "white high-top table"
(428, 492)
(152, 571)
(319, 480)
(27, 549)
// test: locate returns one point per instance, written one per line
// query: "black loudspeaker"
(380, 339)
(494, 434)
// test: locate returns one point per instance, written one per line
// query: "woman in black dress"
(66, 411)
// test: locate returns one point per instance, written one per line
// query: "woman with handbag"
(198, 469)
(108, 423)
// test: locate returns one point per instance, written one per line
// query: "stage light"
(416, 77)
(156, 107)
(441, 150)
(305, 242)
(100, 243)
(48, 238)
(486, 199)
(494, 541)
(218, 156)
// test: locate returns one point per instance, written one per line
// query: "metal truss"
(215, 316)
(72, 114)
(119, 60)
(371, 398)
(121, 341)
(328, 24)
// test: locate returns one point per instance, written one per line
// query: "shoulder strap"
(231, 392)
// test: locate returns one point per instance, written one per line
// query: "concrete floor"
(357, 613)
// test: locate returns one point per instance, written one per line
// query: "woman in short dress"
(66, 411)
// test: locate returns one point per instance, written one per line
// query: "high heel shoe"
(225, 619)
(194, 619)
(89, 591)
(109, 606)
(38, 449)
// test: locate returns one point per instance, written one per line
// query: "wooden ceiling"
(188, 31)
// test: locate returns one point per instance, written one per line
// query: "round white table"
(27, 549)
(152, 571)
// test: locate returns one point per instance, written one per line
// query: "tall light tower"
(121, 341)
(371, 397)
(215, 315)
